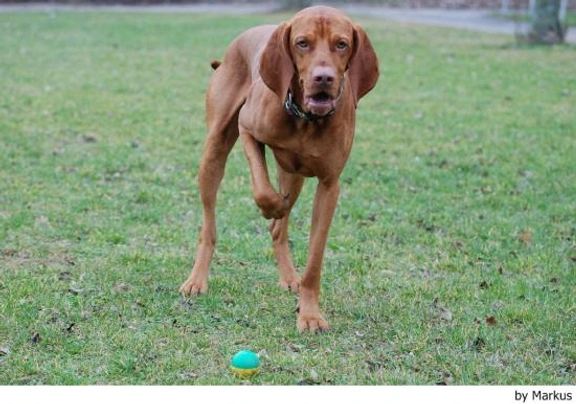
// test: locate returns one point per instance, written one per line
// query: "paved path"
(476, 20)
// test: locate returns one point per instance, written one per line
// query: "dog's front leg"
(271, 203)
(309, 316)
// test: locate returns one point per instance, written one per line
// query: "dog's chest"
(293, 162)
(306, 162)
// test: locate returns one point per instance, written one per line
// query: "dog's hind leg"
(223, 103)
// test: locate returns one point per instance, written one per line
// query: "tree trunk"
(546, 26)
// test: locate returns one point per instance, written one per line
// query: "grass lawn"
(451, 258)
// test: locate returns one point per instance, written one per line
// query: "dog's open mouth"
(320, 103)
(321, 98)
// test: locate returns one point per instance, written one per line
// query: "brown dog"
(293, 88)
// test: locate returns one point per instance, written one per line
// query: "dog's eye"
(302, 44)
(342, 45)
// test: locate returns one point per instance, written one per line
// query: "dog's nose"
(323, 75)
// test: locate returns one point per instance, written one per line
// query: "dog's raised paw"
(273, 206)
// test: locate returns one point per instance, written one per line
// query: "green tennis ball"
(245, 364)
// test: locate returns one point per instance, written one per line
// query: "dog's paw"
(194, 286)
(291, 283)
(313, 323)
(273, 206)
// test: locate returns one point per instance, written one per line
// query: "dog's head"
(314, 54)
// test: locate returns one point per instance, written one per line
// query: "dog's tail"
(215, 64)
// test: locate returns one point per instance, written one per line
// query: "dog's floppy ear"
(363, 66)
(276, 66)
